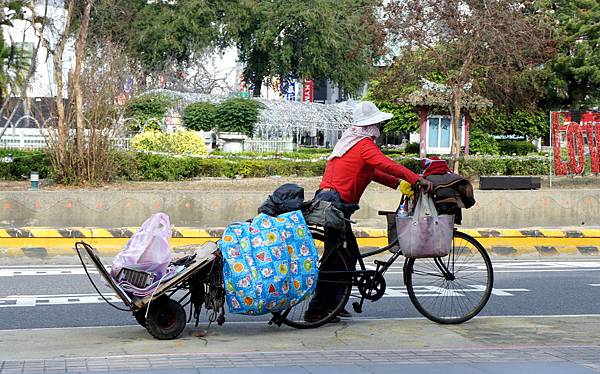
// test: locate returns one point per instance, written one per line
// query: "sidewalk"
(483, 345)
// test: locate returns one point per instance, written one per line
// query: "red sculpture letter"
(576, 165)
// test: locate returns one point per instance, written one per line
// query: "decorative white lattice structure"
(282, 120)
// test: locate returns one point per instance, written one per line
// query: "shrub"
(151, 140)
(200, 116)
(472, 166)
(24, 162)
(146, 108)
(517, 147)
(412, 148)
(180, 142)
(482, 143)
(238, 115)
(144, 166)
(186, 142)
(521, 123)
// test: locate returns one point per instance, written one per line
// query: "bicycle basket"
(392, 232)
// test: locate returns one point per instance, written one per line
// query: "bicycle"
(446, 299)
(447, 290)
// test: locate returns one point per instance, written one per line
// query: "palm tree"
(14, 62)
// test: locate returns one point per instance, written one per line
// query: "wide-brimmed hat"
(366, 113)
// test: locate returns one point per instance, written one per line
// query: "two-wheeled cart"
(163, 313)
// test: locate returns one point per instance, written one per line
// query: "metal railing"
(252, 145)
(29, 141)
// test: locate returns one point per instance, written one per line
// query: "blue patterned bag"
(269, 264)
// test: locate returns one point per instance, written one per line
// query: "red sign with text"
(307, 91)
(569, 132)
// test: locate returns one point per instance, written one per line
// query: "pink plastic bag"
(148, 249)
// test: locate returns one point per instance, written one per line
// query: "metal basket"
(391, 231)
(140, 279)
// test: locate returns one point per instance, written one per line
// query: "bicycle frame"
(382, 266)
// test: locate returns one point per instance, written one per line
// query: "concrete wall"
(544, 208)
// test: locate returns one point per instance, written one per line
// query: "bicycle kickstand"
(278, 318)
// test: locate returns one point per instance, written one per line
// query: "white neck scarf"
(352, 136)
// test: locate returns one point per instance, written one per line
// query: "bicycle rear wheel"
(454, 295)
(333, 288)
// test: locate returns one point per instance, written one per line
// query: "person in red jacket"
(355, 162)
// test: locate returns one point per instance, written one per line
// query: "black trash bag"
(285, 198)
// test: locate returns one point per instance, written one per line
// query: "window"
(439, 134)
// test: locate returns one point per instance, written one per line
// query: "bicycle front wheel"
(451, 289)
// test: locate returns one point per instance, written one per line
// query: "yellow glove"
(406, 189)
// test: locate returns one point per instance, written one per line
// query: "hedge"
(24, 162)
(154, 167)
(160, 167)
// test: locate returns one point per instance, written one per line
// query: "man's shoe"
(344, 313)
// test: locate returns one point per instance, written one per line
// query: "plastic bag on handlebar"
(425, 233)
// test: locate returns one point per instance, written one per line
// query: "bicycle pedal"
(357, 307)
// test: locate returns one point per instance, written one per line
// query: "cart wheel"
(140, 317)
(166, 319)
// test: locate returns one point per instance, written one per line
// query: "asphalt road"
(61, 295)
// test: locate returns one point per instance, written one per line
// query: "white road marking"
(433, 291)
(41, 300)
(520, 266)
(396, 268)
(71, 299)
(14, 272)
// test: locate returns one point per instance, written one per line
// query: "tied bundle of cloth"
(270, 264)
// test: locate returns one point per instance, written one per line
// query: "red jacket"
(350, 174)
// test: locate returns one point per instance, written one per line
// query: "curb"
(42, 242)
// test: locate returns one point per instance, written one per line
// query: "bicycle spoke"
(456, 299)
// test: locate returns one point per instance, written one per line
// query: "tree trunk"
(60, 108)
(257, 87)
(79, 56)
(456, 109)
(60, 105)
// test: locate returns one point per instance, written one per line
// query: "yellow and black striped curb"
(47, 242)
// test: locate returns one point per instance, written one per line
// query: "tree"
(572, 78)
(79, 138)
(337, 40)
(157, 33)
(80, 54)
(14, 60)
(466, 43)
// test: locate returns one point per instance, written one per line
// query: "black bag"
(285, 198)
(325, 214)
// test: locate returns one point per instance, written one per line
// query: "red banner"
(570, 132)
(307, 91)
